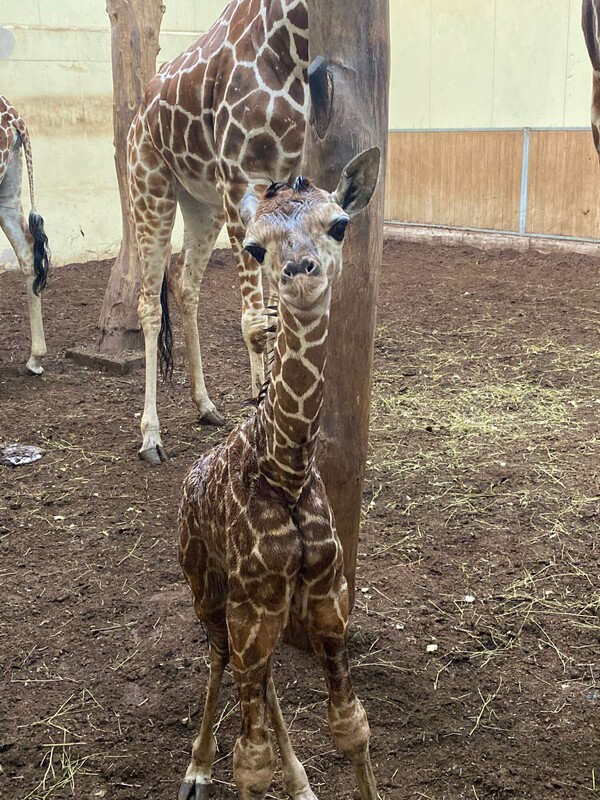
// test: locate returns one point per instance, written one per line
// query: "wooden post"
(135, 28)
(349, 50)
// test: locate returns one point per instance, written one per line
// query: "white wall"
(455, 64)
(58, 75)
(488, 64)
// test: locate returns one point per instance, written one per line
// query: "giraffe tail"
(165, 336)
(41, 251)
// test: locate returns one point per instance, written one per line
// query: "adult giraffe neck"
(295, 23)
(288, 418)
(295, 10)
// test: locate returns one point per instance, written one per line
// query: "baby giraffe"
(257, 537)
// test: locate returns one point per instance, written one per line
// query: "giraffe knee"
(149, 314)
(186, 298)
(254, 330)
(349, 727)
(253, 765)
(185, 291)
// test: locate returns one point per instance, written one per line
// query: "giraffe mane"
(262, 392)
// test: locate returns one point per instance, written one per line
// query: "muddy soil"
(475, 639)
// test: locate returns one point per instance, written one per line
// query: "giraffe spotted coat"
(226, 114)
(27, 237)
(257, 537)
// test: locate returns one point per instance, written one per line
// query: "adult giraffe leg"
(254, 321)
(202, 224)
(327, 626)
(153, 204)
(14, 225)
(294, 775)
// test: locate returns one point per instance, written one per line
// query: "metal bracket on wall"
(524, 183)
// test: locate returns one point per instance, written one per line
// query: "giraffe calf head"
(297, 230)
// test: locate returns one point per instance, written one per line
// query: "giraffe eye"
(256, 251)
(338, 229)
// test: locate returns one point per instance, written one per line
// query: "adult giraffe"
(27, 238)
(226, 114)
(590, 22)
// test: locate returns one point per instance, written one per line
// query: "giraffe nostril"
(303, 267)
(292, 268)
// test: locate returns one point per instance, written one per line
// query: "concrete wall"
(55, 68)
(488, 64)
(455, 64)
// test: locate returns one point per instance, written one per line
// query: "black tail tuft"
(41, 253)
(165, 336)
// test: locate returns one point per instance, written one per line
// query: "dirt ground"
(475, 641)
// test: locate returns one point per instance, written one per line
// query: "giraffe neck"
(291, 31)
(288, 418)
(286, 15)
(295, 11)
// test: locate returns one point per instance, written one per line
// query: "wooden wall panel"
(455, 178)
(564, 184)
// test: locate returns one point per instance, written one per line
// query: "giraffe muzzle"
(302, 283)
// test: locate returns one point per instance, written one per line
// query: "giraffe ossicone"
(227, 113)
(27, 237)
(258, 544)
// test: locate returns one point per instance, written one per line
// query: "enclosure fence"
(530, 181)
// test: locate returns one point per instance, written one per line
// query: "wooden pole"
(349, 79)
(135, 28)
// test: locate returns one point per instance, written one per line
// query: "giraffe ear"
(248, 208)
(358, 181)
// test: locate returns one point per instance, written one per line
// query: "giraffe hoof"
(212, 418)
(27, 372)
(190, 790)
(154, 455)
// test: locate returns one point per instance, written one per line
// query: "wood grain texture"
(358, 60)
(455, 178)
(564, 184)
(472, 179)
(135, 28)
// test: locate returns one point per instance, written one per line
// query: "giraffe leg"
(197, 781)
(253, 634)
(254, 322)
(327, 624)
(202, 225)
(294, 775)
(153, 204)
(209, 588)
(149, 312)
(14, 225)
